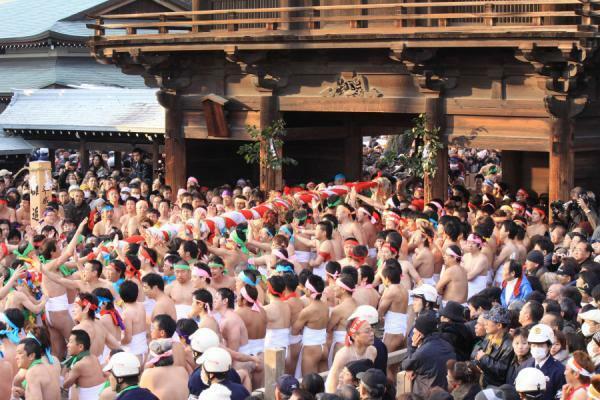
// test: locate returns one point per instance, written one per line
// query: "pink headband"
(343, 285)
(159, 357)
(451, 252)
(312, 290)
(474, 239)
(438, 205)
(200, 273)
(255, 303)
(279, 255)
(332, 276)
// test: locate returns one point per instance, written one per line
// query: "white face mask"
(586, 329)
(135, 196)
(538, 353)
(124, 196)
(86, 193)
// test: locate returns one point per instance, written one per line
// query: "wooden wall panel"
(586, 170)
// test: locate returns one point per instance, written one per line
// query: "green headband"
(27, 250)
(215, 265)
(234, 236)
(335, 203)
(182, 267)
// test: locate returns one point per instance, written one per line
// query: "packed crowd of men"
(130, 289)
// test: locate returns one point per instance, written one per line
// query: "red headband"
(356, 324)
(273, 291)
(131, 271)
(83, 303)
(144, 253)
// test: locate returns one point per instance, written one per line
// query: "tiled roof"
(30, 18)
(36, 73)
(96, 110)
(14, 145)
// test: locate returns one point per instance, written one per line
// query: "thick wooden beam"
(84, 156)
(270, 179)
(175, 149)
(437, 186)
(274, 368)
(562, 164)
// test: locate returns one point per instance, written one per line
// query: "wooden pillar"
(155, 158)
(512, 169)
(52, 157)
(270, 179)
(274, 368)
(175, 148)
(561, 161)
(84, 156)
(200, 5)
(353, 153)
(117, 159)
(40, 189)
(437, 186)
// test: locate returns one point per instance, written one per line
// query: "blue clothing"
(382, 355)
(137, 394)
(524, 290)
(554, 371)
(196, 386)
(238, 391)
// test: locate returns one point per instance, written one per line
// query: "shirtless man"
(128, 215)
(392, 308)
(82, 367)
(84, 313)
(40, 383)
(255, 319)
(109, 316)
(154, 286)
(343, 289)
(453, 284)
(118, 210)
(349, 260)
(202, 309)
(164, 327)
(22, 297)
(358, 346)
(324, 246)
(23, 214)
(160, 365)
(57, 307)
(365, 216)
(506, 236)
(134, 317)
(11, 323)
(181, 289)
(312, 323)
(6, 212)
(365, 293)
(476, 265)
(422, 260)
(278, 315)
(296, 306)
(218, 277)
(233, 329)
(302, 252)
(90, 278)
(229, 252)
(536, 224)
(105, 225)
(347, 226)
(133, 223)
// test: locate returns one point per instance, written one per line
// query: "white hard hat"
(215, 359)
(366, 312)
(541, 333)
(123, 364)
(203, 339)
(591, 315)
(530, 380)
(426, 291)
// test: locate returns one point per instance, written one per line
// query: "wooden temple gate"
(514, 75)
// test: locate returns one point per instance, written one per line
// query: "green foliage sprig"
(272, 135)
(421, 160)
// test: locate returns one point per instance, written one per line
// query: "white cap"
(541, 333)
(591, 315)
(366, 312)
(215, 359)
(73, 187)
(530, 380)
(203, 339)
(427, 291)
(123, 364)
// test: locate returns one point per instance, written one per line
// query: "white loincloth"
(320, 271)
(56, 304)
(338, 337)
(104, 356)
(310, 337)
(149, 306)
(183, 310)
(302, 256)
(277, 338)
(138, 344)
(90, 393)
(477, 285)
(395, 323)
(430, 281)
(295, 339)
(498, 278)
(436, 277)
(253, 347)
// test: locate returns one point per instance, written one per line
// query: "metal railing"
(256, 17)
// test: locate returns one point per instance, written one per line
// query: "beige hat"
(123, 364)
